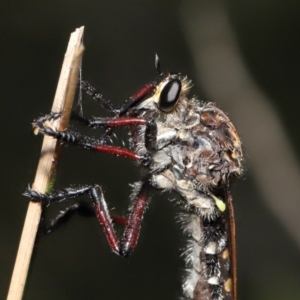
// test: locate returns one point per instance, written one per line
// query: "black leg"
(90, 90)
(81, 208)
(64, 216)
(129, 239)
(133, 100)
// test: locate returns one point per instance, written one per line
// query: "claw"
(34, 195)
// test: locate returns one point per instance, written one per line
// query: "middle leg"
(99, 145)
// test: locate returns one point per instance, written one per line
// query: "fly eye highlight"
(169, 95)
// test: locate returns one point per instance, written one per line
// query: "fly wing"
(230, 285)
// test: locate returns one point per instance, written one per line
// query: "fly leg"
(69, 136)
(133, 100)
(82, 209)
(128, 241)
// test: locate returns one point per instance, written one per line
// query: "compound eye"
(169, 95)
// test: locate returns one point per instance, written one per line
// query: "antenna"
(157, 65)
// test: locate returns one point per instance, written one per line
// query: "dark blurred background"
(244, 55)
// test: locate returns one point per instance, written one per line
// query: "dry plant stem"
(49, 155)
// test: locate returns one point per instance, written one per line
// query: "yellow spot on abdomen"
(225, 253)
(228, 285)
(220, 204)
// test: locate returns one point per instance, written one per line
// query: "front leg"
(133, 100)
(127, 243)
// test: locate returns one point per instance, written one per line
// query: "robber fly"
(185, 146)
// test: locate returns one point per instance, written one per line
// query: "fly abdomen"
(208, 259)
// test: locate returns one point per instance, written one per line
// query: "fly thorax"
(196, 158)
